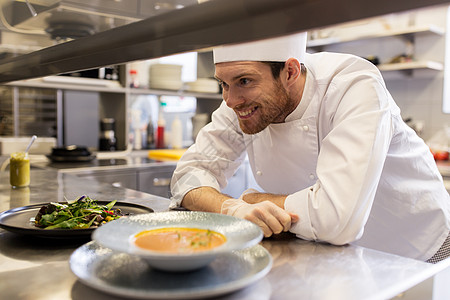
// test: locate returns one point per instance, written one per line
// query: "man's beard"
(270, 110)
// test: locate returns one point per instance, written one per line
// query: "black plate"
(17, 220)
(56, 158)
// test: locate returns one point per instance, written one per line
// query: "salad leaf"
(81, 213)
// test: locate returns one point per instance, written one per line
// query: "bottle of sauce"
(176, 133)
(134, 79)
(150, 135)
(160, 129)
(19, 169)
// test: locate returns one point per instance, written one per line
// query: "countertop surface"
(36, 268)
(102, 161)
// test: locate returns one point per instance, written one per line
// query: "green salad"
(81, 213)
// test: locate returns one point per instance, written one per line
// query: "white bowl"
(118, 235)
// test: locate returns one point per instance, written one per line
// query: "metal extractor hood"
(77, 18)
(197, 27)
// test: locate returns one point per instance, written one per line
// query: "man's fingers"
(273, 223)
(275, 218)
(283, 217)
(266, 230)
(268, 216)
(294, 218)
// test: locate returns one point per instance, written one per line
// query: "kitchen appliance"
(71, 153)
(108, 141)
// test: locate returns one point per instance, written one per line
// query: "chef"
(326, 144)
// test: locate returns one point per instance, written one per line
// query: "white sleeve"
(336, 208)
(217, 153)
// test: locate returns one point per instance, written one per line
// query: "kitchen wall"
(419, 93)
(420, 96)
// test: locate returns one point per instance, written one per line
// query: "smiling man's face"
(256, 97)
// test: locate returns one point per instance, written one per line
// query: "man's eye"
(244, 81)
(222, 84)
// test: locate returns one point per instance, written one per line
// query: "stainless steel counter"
(134, 160)
(32, 268)
(134, 170)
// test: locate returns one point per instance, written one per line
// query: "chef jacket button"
(311, 176)
(259, 173)
(305, 127)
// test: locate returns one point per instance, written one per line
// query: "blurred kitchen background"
(69, 108)
(408, 47)
(119, 107)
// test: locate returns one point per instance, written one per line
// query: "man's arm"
(266, 210)
(209, 199)
(253, 198)
(204, 199)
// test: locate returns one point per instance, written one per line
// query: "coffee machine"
(107, 140)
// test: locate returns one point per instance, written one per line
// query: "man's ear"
(293, 71)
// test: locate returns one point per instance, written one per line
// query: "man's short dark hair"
(276, 67)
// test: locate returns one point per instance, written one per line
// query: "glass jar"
(19, 169)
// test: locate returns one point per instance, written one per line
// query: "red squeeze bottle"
(160, 132)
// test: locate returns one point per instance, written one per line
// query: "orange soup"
(178, 240)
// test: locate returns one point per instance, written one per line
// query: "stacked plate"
(166, 77)
(203, 85)
(111, 262)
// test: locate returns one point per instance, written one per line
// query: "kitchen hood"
(76, 18)
(191, 28)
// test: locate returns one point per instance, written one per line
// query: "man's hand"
(268, 216)
(265, 210)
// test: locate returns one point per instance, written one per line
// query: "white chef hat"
(274, 49)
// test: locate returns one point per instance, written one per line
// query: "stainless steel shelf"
(181, 93)
(71, 83)
(414, 65)
(197, 27)
(385, 33)
(103, 86)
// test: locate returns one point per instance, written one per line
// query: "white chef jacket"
(353, 171)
